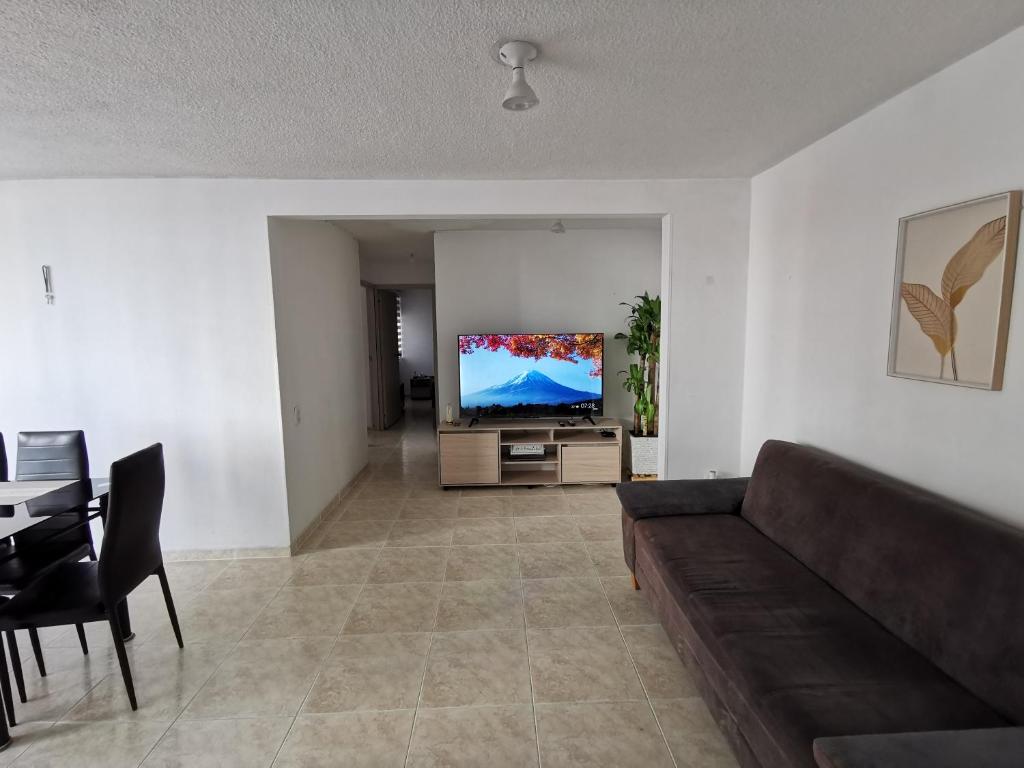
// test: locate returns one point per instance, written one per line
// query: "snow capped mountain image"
(524, 375)
(528, 387)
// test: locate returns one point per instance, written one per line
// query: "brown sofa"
(819, 602)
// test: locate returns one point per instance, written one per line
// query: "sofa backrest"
(946, 580)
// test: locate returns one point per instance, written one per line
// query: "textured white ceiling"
(390, 89)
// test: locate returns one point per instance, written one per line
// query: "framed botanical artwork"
(954, 285)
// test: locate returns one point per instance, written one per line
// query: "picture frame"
(953, 291)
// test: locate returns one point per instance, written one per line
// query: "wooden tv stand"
(480, 455)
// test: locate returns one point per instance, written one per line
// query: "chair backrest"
(131, 537)
(3, 460)
(52, 456)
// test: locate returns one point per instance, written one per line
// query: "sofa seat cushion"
(730, 578)
(795, 718)
(797, 660)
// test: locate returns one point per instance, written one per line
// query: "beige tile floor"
(420, 628)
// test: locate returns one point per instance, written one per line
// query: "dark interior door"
(387, 339)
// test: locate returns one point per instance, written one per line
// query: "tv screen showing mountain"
(531, 374)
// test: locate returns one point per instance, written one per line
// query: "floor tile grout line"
(61, 718)
(636, 671)
(447, 707)
(155, 743)
(220, 663)
(423, 675)
(529, 664)
(320, 668)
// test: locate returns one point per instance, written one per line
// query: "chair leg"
(124, 620)
(636, 584)
(166, 587)
(5, 687)
(122, 656)
(19, 677)
(88, 536)
(37, 650)
(81, 638)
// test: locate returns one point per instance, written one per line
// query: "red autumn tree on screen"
(570, 347)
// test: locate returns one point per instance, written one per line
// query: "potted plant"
(644, 341)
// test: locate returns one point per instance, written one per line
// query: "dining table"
(26, 504)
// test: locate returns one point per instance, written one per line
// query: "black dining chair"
(29, 554)
(55, 456)
(82, 592)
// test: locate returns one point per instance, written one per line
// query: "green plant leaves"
(634, 381)
(644, 341)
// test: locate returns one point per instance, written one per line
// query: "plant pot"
(643, 455)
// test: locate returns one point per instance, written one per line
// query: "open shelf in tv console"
(479, 455)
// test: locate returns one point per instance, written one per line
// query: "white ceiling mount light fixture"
(520, 95)
(558, 228)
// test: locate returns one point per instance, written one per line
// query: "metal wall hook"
(48, 283)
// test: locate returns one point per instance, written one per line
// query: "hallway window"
(398, 321)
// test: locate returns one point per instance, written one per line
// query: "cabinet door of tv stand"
(468, 458)
(591, 463)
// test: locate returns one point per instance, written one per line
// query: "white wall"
(162, 330)
(823, 244)
(397, 270)
(538, 282)
(319, 314)
(417, 333)
(164, 327)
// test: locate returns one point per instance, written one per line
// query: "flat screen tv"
(520, 375)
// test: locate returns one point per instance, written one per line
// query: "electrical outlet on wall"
(712, 474)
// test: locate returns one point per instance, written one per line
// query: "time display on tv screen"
(531, 374)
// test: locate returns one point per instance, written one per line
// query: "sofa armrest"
(976, 748)
(671, 498)
(668, 498)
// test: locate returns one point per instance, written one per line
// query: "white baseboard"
(325, 515)
(328, 512)
(225, 554)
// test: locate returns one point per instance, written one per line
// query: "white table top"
(19, 491)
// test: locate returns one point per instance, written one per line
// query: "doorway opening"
(400, 340)
(396, 270)
(564, 275)
(369, 315)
